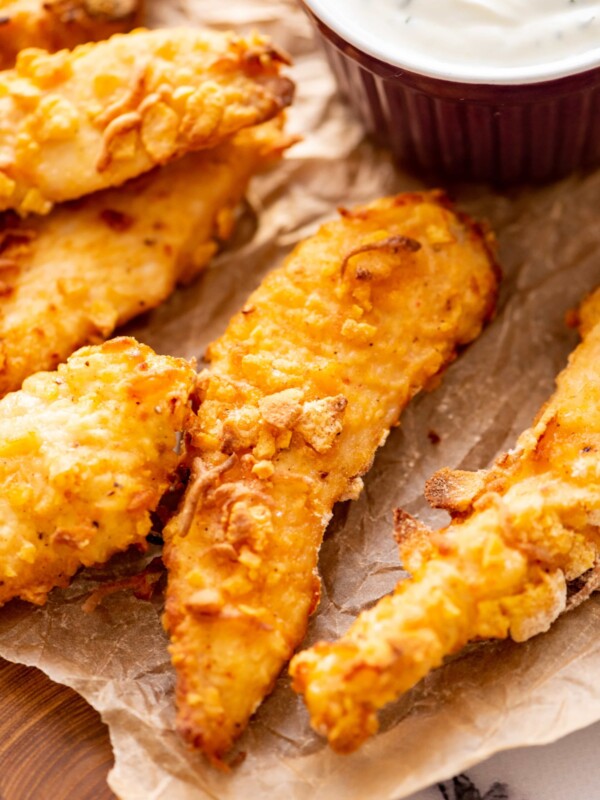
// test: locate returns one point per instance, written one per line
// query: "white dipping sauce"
(485, 33)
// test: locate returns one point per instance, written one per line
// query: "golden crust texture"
(86, 453)
(521, 531)
(75, 122)
(70, 278)
(55, 24)
(304, 387)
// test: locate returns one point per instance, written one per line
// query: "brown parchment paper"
(492, 697)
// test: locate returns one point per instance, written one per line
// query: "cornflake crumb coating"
(302, 390)
(86, 453)
(70, 278)
(55, 24)
(75, 122)
(521, 532)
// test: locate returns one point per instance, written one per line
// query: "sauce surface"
(478, 33)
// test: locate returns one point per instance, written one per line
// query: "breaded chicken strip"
(79, 121)
(70, 278)
(304, 387)
(54, 24)
(85, 455)
(520, 532)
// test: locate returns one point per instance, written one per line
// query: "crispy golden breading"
(75, 122)
(304, 387)
(70, 278)
(520, 532)
(86, 453)
(54, 24)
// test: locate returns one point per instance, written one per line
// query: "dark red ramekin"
(501, 133)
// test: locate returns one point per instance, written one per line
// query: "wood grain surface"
(53, 745)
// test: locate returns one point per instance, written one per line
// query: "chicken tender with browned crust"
(521, 532)
(70, 278)
(55, 24)
(75, 122)
(86, 453)
(304, 387)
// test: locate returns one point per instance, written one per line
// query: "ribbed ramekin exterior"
(505, 134)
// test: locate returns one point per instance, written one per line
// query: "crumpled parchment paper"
(493, 696)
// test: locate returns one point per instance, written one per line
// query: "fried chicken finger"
(86, 453)
(303, 388)
(75, 122)
(70, 278)
(55, 24)
(521, 532)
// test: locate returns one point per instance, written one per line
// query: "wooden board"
(53, 745)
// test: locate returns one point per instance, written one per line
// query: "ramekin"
(535, 125)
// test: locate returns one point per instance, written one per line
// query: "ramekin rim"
(504, 76)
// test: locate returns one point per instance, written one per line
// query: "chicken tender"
(54, 24)
(521, 531)
(86, 453)
(70, 278)
(304, 387)
(75, 122)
